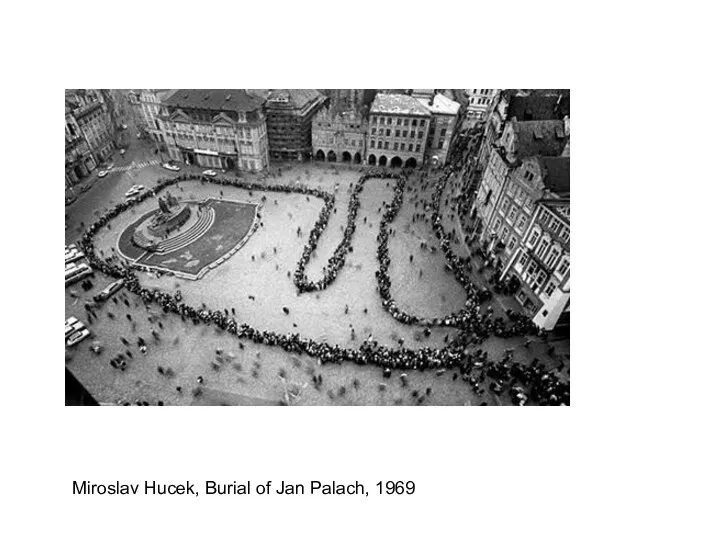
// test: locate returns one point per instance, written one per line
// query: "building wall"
(542, 264)
(516, 203)
(480, 102)
(92, 115)
(290, 127)
(440, 136)
(212, 144)
(343, 132)
(404, 136)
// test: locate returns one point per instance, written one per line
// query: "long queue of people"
(544, 384)
(337, 260)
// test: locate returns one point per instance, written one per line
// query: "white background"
(635, 456)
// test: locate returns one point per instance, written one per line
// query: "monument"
(168, 219)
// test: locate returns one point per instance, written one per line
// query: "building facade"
(537, 178)
(443, 123)
(79, 161)
(519, 141)
(289, 122)
(541, 265)
(92, 113)
(523, 105)
(480, 102)
(399, 127)
(339, 135)
(150, 104)
(222, 129)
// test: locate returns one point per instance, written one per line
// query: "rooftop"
(398, 104)
(538, 104)
(294, 98)
(556, 174)
(539, 138)
(214, 100)
(442, 105)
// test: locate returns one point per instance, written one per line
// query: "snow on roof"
(442, 105)
(398, 104)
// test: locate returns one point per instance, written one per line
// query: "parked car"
(124, 126)
(72, 325)
(77, 273)
(210, 173)
(170, 167)
(108, 291)
(72, 256)
(77, 337)
(135, 190)
(122, 151)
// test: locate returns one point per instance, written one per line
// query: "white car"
(72, 325)
(102, 174)
(72, 256)
(77, 337)
(122, 151)
(210, 173)
(124, 126)
(170, 167)
(135, 190)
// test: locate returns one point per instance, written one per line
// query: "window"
(443, 132)
(504, 234)
(512, 243)
(372, 143)
(414, 122)
(539, 281)
(420, 134)
(406, 122)
(533, 238)
(422, 123)
(554, 225)
(565, 234)
(532, 269)
(513, 215)
(395, 146)
(405, 133)
(386, 145)
(402, 147)
(382, 120)
(553, 257)
(543, 246)
(511, 188)
(521, 223)
(374, 120)
(563, 268)
(397, 132)
(374, 130)
(412, 134)
(387, 132)
(550, 288)
(496, 226)
(417, 147)
(504, 205)
(523, 260)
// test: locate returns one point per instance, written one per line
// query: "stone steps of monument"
(207, 218)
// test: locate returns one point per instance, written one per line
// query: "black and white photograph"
(317, 247)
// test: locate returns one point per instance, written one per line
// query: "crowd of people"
(535, 380)
(337, 260)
